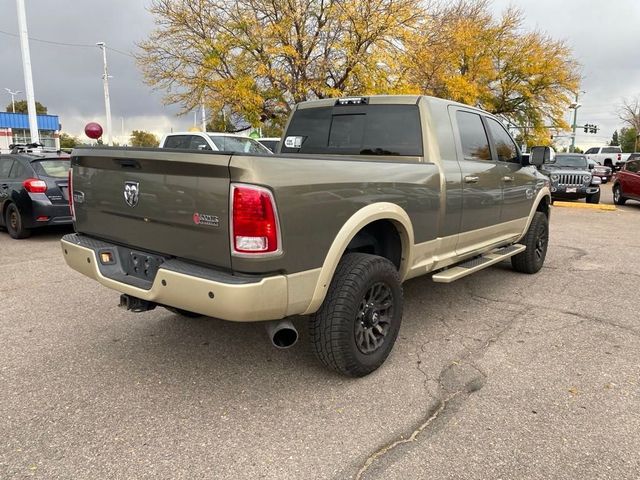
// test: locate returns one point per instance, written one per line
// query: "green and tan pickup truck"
(363, 194)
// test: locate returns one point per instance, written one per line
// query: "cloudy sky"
(604, 36)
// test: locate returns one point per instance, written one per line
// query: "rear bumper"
(55, 214)
(265, 298)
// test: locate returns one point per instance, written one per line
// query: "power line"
(63, 44)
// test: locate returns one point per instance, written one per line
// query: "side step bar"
(478, 263)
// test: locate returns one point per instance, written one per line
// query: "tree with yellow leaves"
(257, 58)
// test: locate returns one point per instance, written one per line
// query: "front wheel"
(536, 240)
(15, 224)
(618, 199)
(594, 197)
(354, 330)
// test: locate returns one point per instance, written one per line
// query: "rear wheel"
(354, 330)
(618, 199)
(15, 224)
(594, 197)
(536, 240)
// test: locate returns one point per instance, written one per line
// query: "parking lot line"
(592, 206)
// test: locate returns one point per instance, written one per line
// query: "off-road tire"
(593, 198)
(532, 259)
(333, 327)
(14, 223)
(618, 199)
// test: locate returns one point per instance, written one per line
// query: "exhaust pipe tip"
(282, 334)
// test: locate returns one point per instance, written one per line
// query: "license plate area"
(133, 267)
(572, 189)
(140, 264)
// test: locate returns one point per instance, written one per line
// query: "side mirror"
(540, 155)
(591, 166)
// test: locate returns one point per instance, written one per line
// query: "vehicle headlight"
(586, 178)
(554, 177)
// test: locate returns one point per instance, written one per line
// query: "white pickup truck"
(608, 156)
(213, 141)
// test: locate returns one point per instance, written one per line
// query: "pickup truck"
(611, 157)
(363, 194)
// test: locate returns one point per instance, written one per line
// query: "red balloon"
(93, 130)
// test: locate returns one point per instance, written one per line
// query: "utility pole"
(105, 83)
(26, 68)
(204, 119)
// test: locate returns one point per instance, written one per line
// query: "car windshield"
(238, 144)
(57, 168)
(570, 161)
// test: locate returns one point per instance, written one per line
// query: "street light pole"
(576, 105)
(26, 68)
(13, 98)
(105, 83)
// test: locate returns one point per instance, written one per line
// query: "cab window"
(178, 141)
(503, 143)
(475, 144)
(591, 151)
(198, 143)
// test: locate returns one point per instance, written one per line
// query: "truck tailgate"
(168, 202)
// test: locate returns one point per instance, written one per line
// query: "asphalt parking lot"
(499, 375)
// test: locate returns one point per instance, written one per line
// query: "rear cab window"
(178, 141)
(360, 129)
(55, 167)
(612, 150)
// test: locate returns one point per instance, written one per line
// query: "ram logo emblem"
(131, 193)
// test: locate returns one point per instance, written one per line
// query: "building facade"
(14, 128)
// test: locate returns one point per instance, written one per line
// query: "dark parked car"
(571, 178)
(600, 171)
(33, 191)
(627, 183)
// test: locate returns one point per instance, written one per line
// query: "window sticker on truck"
(293, 142)
(204, 219)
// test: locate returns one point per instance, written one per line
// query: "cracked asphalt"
(499, 375)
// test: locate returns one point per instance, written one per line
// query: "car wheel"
(594, 197)
(618, 199)
(536, 240)
(354, 330)
(14, 223)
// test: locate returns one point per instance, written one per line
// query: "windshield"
(355, 130)
(238, 144)
(57, 168)
(570, 161)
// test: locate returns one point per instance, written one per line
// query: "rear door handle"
(507, 178)
(471, 179)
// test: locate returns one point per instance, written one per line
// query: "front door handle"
(507, 178)
(471, 179)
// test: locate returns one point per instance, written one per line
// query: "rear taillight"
(619, 156)
(254, 221)
(33, 185)
(70, 193)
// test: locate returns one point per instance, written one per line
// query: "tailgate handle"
(128, 163)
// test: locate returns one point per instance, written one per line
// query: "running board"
(478, 263)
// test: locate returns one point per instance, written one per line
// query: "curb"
(589, 206)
